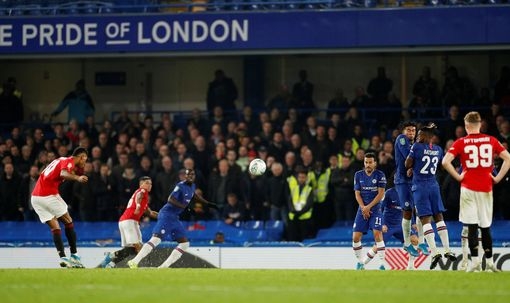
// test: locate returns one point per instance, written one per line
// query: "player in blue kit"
(169, 225)
(424, 157)
(369, 184)
(403, 181)
(392, 224)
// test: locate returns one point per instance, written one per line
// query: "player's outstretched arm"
(198, 198)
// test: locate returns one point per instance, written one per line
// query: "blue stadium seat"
(274, 4)
(69, 9)
(254, 224)
(216, 5)
(89, 8)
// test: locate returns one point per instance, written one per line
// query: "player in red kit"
(476, 152)
(51, 208)
(129, 226)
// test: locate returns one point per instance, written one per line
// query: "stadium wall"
(242, 258)
(181, 83)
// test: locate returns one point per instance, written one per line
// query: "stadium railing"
(57, 7)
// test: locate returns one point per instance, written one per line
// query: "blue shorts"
(427, 197)
(374, 222)
(394, 231)
(169, 227)
(405, 196)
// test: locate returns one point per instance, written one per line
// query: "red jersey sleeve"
(456, 147)
(498, 147)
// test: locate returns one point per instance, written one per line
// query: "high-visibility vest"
(311, 179)
(292, 181)
(363, 144)
(322, 186)
(299, 201)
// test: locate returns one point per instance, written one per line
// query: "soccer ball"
(257, 167)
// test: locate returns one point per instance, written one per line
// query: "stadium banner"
(252, 31)
(242, 258)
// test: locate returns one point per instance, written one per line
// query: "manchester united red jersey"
(129, 213)
(50, 179)
(476, 153)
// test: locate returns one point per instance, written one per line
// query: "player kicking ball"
(129, 224)
(52, 209)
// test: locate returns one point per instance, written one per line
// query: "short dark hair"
(370, 155)
(80, 150)
(407, 123)
(144, 178)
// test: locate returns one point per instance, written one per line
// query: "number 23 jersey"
(476, 153)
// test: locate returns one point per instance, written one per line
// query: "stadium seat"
(253, 224)
(274, 230)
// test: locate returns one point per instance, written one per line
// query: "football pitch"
(225, 285)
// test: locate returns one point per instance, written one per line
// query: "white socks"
(146, 249)
(175, 255)
(428, 232)
(381, 251)
(442, 231)
(358, 249)
(406, 230)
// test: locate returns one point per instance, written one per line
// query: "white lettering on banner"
(219, 31)
(238, 30)
(197, 25)
(215, 31)
(165, 30)
(181, 32)
(5, 33)
(90, 32)
(122, 33)
(60, 34)
(117, 32)
(29, 32)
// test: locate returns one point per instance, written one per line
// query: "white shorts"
(49, 207)
(130, 233)
(475, 207)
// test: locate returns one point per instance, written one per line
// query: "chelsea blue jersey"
(392, 211)
(368, 186)
(427, 158)
(182, 193)
(402, 148)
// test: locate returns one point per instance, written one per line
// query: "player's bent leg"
(175, 255)
(146, 249)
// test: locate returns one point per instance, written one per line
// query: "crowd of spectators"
(289, 136)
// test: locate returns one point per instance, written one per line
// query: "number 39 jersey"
(50, 179)
(476, 153)
(426, 158)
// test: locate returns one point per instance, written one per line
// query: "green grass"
(240, 286)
